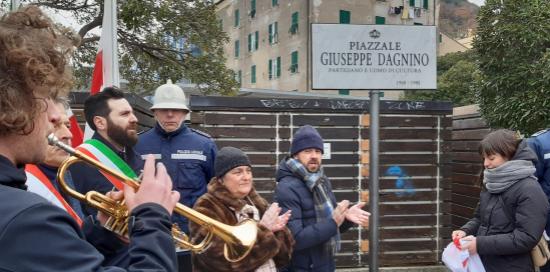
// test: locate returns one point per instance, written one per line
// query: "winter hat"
(304, 138)
(228, 158)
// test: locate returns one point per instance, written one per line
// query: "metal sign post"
(373, 180)
(373, 57)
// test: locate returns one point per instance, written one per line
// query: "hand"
(339, 213)
(356, 214)
(272, 220)
(156, 188)
(458, 234)
(114, 195)
(469, 243)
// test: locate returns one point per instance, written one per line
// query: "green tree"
(512, 43)
(455, 75)
(147, 51)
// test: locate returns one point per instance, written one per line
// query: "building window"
(294, 62)
(294, 23)
(273, 33)
(274, 3)
(253, 41)
(252, 8)
(343, 92)
(380, 20)
(237, 45)
(426, 4)
(345, 17)
(274, 67)
(253, 74)
(237, 21)
(239, 77)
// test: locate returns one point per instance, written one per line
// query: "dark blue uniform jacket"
(188, 157)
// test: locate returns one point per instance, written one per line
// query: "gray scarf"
(498, 179)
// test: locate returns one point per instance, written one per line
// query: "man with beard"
(112, 118)
(187, 153)
(317, 220)
(34, 234)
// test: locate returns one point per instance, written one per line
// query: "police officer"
(540, 143)
(187, 153)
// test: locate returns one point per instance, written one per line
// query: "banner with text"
(373, 57)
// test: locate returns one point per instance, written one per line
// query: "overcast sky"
(477, 2)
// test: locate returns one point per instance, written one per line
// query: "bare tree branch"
(88, 40)
(89, 26)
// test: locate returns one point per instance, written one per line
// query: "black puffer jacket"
(38, 236)
(508, 225)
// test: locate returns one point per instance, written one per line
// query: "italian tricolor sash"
(103, 154)
(38, 183)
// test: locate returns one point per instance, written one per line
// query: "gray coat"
(508, 225)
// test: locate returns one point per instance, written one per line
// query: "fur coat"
(216, 204)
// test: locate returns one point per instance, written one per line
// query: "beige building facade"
(269, 45)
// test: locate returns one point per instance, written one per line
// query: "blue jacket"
(36, 235)
(292, 194)
(87, 178)
(189, 158)
(540, 143)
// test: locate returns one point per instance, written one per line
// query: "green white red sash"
(38, 183)
(103, 154)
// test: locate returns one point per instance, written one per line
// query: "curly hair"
(33, 64)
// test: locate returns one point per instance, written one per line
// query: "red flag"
(106, 62)
(77, 133)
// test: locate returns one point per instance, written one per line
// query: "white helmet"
(169, 96)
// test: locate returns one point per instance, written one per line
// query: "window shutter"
(380, 20)
(257, 37)
(275, 32)
(270, 30)
(253, 74)
(236, 18)
(249, 42)
(345, 17)
(411, 3)
(278, 67)
(237, 43)
(294, 62)
(426, 4)
(270, 67)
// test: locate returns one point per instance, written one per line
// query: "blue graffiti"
(403, 181)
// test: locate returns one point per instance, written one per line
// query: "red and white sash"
(38, 183)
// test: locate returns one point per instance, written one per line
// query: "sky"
(477, 2)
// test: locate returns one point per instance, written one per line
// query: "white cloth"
(458, 260)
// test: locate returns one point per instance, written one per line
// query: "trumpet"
(238, 239)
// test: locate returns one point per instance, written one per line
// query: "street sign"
(373, 57)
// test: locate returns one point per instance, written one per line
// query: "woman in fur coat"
(231, 198)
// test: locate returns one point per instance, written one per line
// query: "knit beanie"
(228, 158)
(304, 138)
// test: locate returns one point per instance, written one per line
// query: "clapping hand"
(272, 220)
(357, 215)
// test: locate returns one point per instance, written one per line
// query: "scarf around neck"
(317, 185)
(499, 179)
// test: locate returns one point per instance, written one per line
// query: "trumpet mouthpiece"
(54, 141)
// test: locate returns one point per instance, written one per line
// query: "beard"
(313, 165)
(122, 136)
